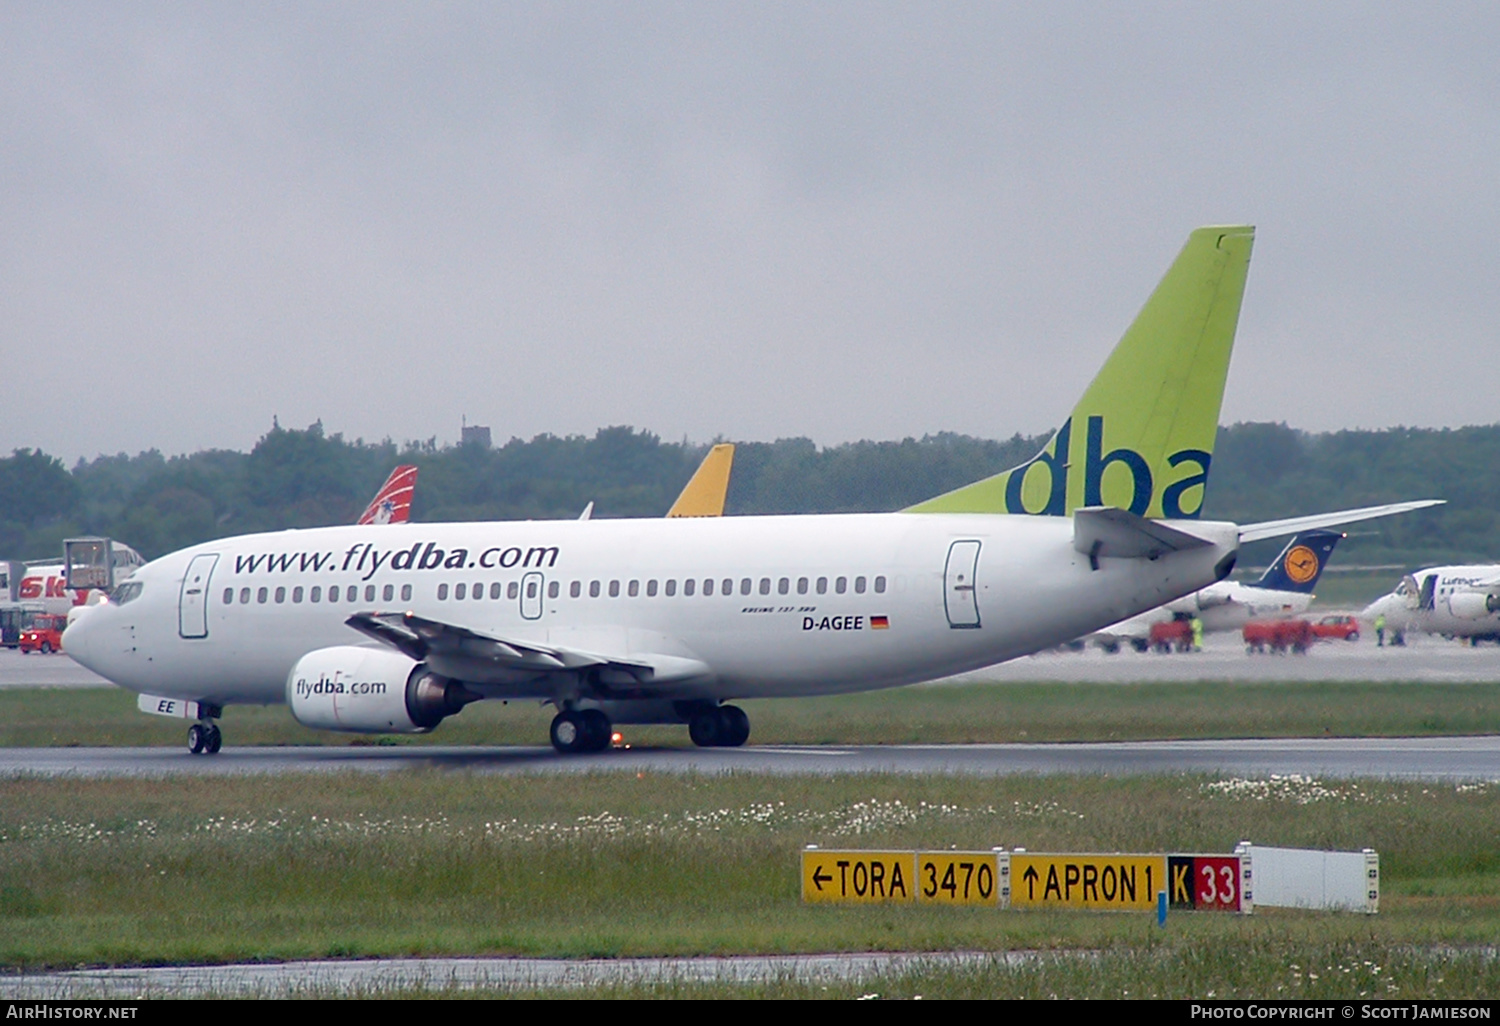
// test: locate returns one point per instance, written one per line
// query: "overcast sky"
(744, 220)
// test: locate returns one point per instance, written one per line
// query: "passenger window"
(880, 585)
(297, 594)
(495, 589)
(822, 586)
(651, 589)
(531, 589)
(593, 589)
(386, 594)
(512, 590)
(745, 585)
(708, 586)
(552, 589)
(802, 586)
(478, 590)
(727, 587)
(460, 591)
(280, 595)
(229, 596)
(369, 593)
(634, 588)
(244, 596)
(765, 586)
(614, 589)
(783, 586)
(316, 595)
(671, 588)
(405, 593)
(841, 585)
(575, 589)
(859, 586)
(688, 585)
(260, 596)
(442, 592)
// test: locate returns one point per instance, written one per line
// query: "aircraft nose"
(75, 639)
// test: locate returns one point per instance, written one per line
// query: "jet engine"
(1473, 605)
(371, 691)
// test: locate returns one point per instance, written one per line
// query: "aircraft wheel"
(734, 726)
(197, 739)
(214, 741)
(597, 730)
(706, 729)
(569, 734)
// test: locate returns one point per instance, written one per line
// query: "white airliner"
(1284, 590)
(1454, 601)
(392, 629)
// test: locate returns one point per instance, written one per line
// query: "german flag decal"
(880, 623)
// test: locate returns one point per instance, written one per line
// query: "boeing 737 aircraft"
(1284, 590)
(666, 620)
(1454, 601)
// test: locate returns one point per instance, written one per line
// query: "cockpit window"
(125, 592)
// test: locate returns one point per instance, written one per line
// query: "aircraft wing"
(1279, 528)
(479, 657)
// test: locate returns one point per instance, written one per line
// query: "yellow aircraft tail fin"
(704, 494)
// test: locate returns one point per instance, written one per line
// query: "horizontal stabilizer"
(1119, 534)
(1291, 525)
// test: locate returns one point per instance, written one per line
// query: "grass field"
(931, 713)
(190, 870)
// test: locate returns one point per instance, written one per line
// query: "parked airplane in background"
(39, 586)
(1284, 590)
(665, 620)
(1454, 601)
(392, 504)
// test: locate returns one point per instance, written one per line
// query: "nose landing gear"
(204, 738)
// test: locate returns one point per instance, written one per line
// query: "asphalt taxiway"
(1427, 758)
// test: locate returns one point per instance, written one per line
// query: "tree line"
(307, 478)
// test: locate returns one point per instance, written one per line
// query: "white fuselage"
(903, 597)
(1456, 606)
(1226, 606)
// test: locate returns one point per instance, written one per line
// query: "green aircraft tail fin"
(1142, 436)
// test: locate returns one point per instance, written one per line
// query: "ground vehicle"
(1170, 634)
(1278, 636)
(44, 634)
(1338, 627)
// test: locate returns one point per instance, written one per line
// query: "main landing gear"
(581, 730)
(204, 738)
(724, 726)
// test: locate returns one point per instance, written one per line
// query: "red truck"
(1278, 636)
(45, 633)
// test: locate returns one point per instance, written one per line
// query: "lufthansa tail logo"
(1301, 564)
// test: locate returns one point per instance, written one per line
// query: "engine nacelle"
(1473, 605)
(370, 691)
